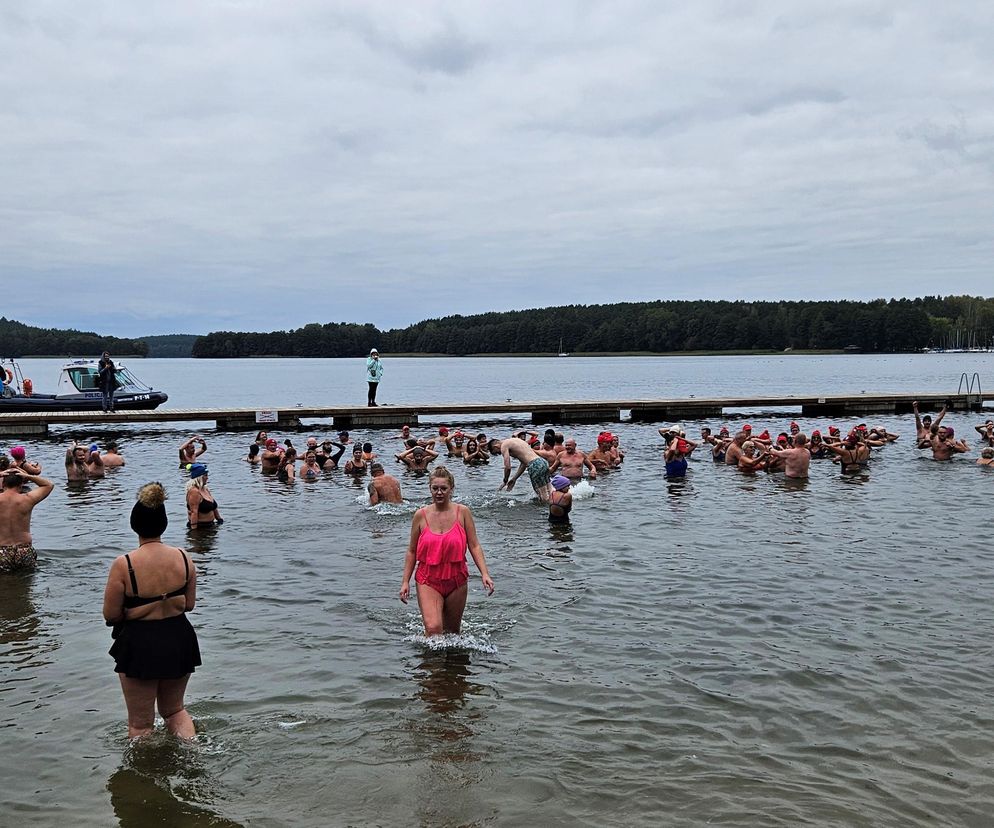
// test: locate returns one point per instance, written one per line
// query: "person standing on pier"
(374, 373)
(108, 381)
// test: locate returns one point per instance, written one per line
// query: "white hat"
(373, 351)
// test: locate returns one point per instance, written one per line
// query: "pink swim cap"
(17, 452)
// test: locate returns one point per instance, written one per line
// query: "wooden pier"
(540, 411)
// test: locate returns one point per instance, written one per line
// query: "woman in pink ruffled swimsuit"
(440, 534)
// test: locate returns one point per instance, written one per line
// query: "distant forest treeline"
(898, 325)
(18, 340)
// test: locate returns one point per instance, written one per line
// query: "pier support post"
(672, 413)
(382, 418)
(576, 414)
(285, 420)
(24, 430)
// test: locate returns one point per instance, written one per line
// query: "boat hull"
(87, 401)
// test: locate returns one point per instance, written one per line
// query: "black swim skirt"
(166, 648)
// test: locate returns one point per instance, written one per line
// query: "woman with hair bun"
(149, 591)
(440, 535)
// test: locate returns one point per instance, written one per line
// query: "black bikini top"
(132, 601)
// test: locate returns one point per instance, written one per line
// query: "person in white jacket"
(374, 373)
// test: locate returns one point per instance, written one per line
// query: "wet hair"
(441, 471)
(111, 445)
(13, 481)
(258, 436)
(367, 447)
(375, 468)
(560, 438)
(148, 515)
(410, 443)
(987, 453)
(356, 449)
(4, 462)
(254, 450)
(490, 444)
(472, 442)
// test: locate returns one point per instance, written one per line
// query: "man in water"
(383, 488)
(570, 462)
(537, 467)
(112, 458)
(796, 460)
(374, 373)
(271, 456)
(417, 458)
(16, 549)
(924, 425)
(601, 457)
(734, 450)
(944, 444)
(82, 464)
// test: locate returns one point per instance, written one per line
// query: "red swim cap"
(747, 427)
(765, 435)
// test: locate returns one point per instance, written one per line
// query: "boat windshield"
(87, 378)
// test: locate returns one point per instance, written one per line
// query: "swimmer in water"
(82, 464)
(944, 443)
(188, 453)
(749, 461)
(796, 459)
(252, 458)
(417, 457)
(18, 460)
(473, 454)
(853, 455)
(17, 553)
(271, 456)
(676, 458)
(112, 458)
(601, 457)
(924, 425)
(356, 466)
(440, 535)
(383, 487)
(986, 432)
(310, 470)
(201, 507)
(571, 462)
(560, 501)
(986, 457)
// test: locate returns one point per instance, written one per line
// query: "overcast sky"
(195, 166)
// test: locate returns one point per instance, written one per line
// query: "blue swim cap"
(196, 470)
(560, 483)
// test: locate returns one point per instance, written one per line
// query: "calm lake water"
(723, 650)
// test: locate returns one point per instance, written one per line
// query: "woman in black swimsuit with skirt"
(148, 593)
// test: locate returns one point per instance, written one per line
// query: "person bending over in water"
(537, 467)
(17, 552)
(155, 646)
(201, 507)
(188, 452)
(440, 534)
(82, 464)
(383, 488)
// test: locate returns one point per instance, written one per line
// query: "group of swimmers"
(791, 451)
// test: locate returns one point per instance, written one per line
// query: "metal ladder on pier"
(972, 398)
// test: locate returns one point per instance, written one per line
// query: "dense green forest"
(898, 325)
(18, 340)
(170, 345)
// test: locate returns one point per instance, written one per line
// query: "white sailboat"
(561, 351)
